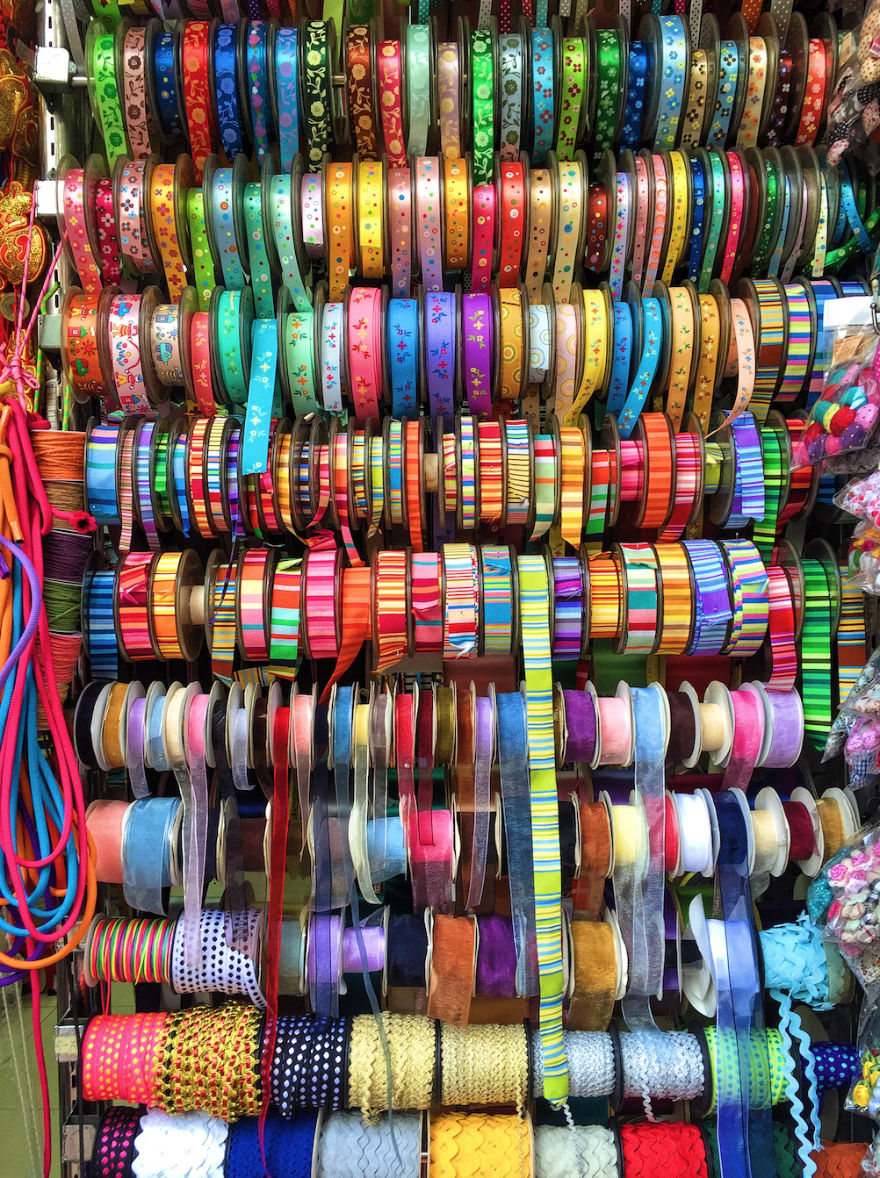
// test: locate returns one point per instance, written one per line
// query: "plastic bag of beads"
(848, 890)
(864, 1093)
(856, 736)
(856, 462)
(869, 1167)
(861, 497)
(847, 716)
(861, 750)
(845, 415)
(863, 558)
(864, 696)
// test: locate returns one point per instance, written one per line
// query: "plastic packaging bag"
(854, 108)
(845, 416)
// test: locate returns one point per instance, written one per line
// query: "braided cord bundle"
(288, 1145)
(212, 1062)
(587, 1150)
(665, 1065)
(476, 1145)
(350, 1149)
(484, 1065)
(411, 1041)
(189, 1146)
(136, 950)
(667, 1149)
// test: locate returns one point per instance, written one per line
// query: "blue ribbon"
(543, 94)
(402, 345)
(514, 767)
(754, 1125)
(261, 395)
(146, 853)
(636, 88)
(226, 89)
(652, 342)
(621, 357)
(165, 78)
(698, 221)
(287, 93)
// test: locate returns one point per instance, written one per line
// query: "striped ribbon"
(748, 585)
(641, 598)
(545, 484)
(426, 602)
(534, 600)
(101, 642)
(775, 483)
(460, 621)
(851, 640)
(497, 569)
(816, 637)
(713, 611)
(568, 607)
(284, 619)
(783, 649)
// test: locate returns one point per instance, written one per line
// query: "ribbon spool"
(771, 833)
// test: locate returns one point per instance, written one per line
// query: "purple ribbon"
(788, 730)
(580, 724)
(496, 958)
(482, 799)
(478, 338)
(135, 737)
(440, 355)
(373, 937)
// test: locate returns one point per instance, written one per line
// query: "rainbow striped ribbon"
(534, 597)
(460, 622)
(851, 641)
(467, 484)
(497, 600)
(285, 613)
(712, 611)
(545, 484)
(816, 637)
(751, 603)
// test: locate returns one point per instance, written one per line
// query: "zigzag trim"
(790, 1023)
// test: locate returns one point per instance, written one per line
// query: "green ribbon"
(104, 92)
(608, 668)
(816, 653)
(716, 220)
(482, 105)
(574, 86)
(299, 358)
(203, 263)
(316, 84)
(836, 258)
(608, 100)
(765, 241)
(418, 88)
(235, 313)
(775, 478)
(261, 271)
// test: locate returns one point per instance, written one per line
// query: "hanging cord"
(51, 888)
(19, 1065)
